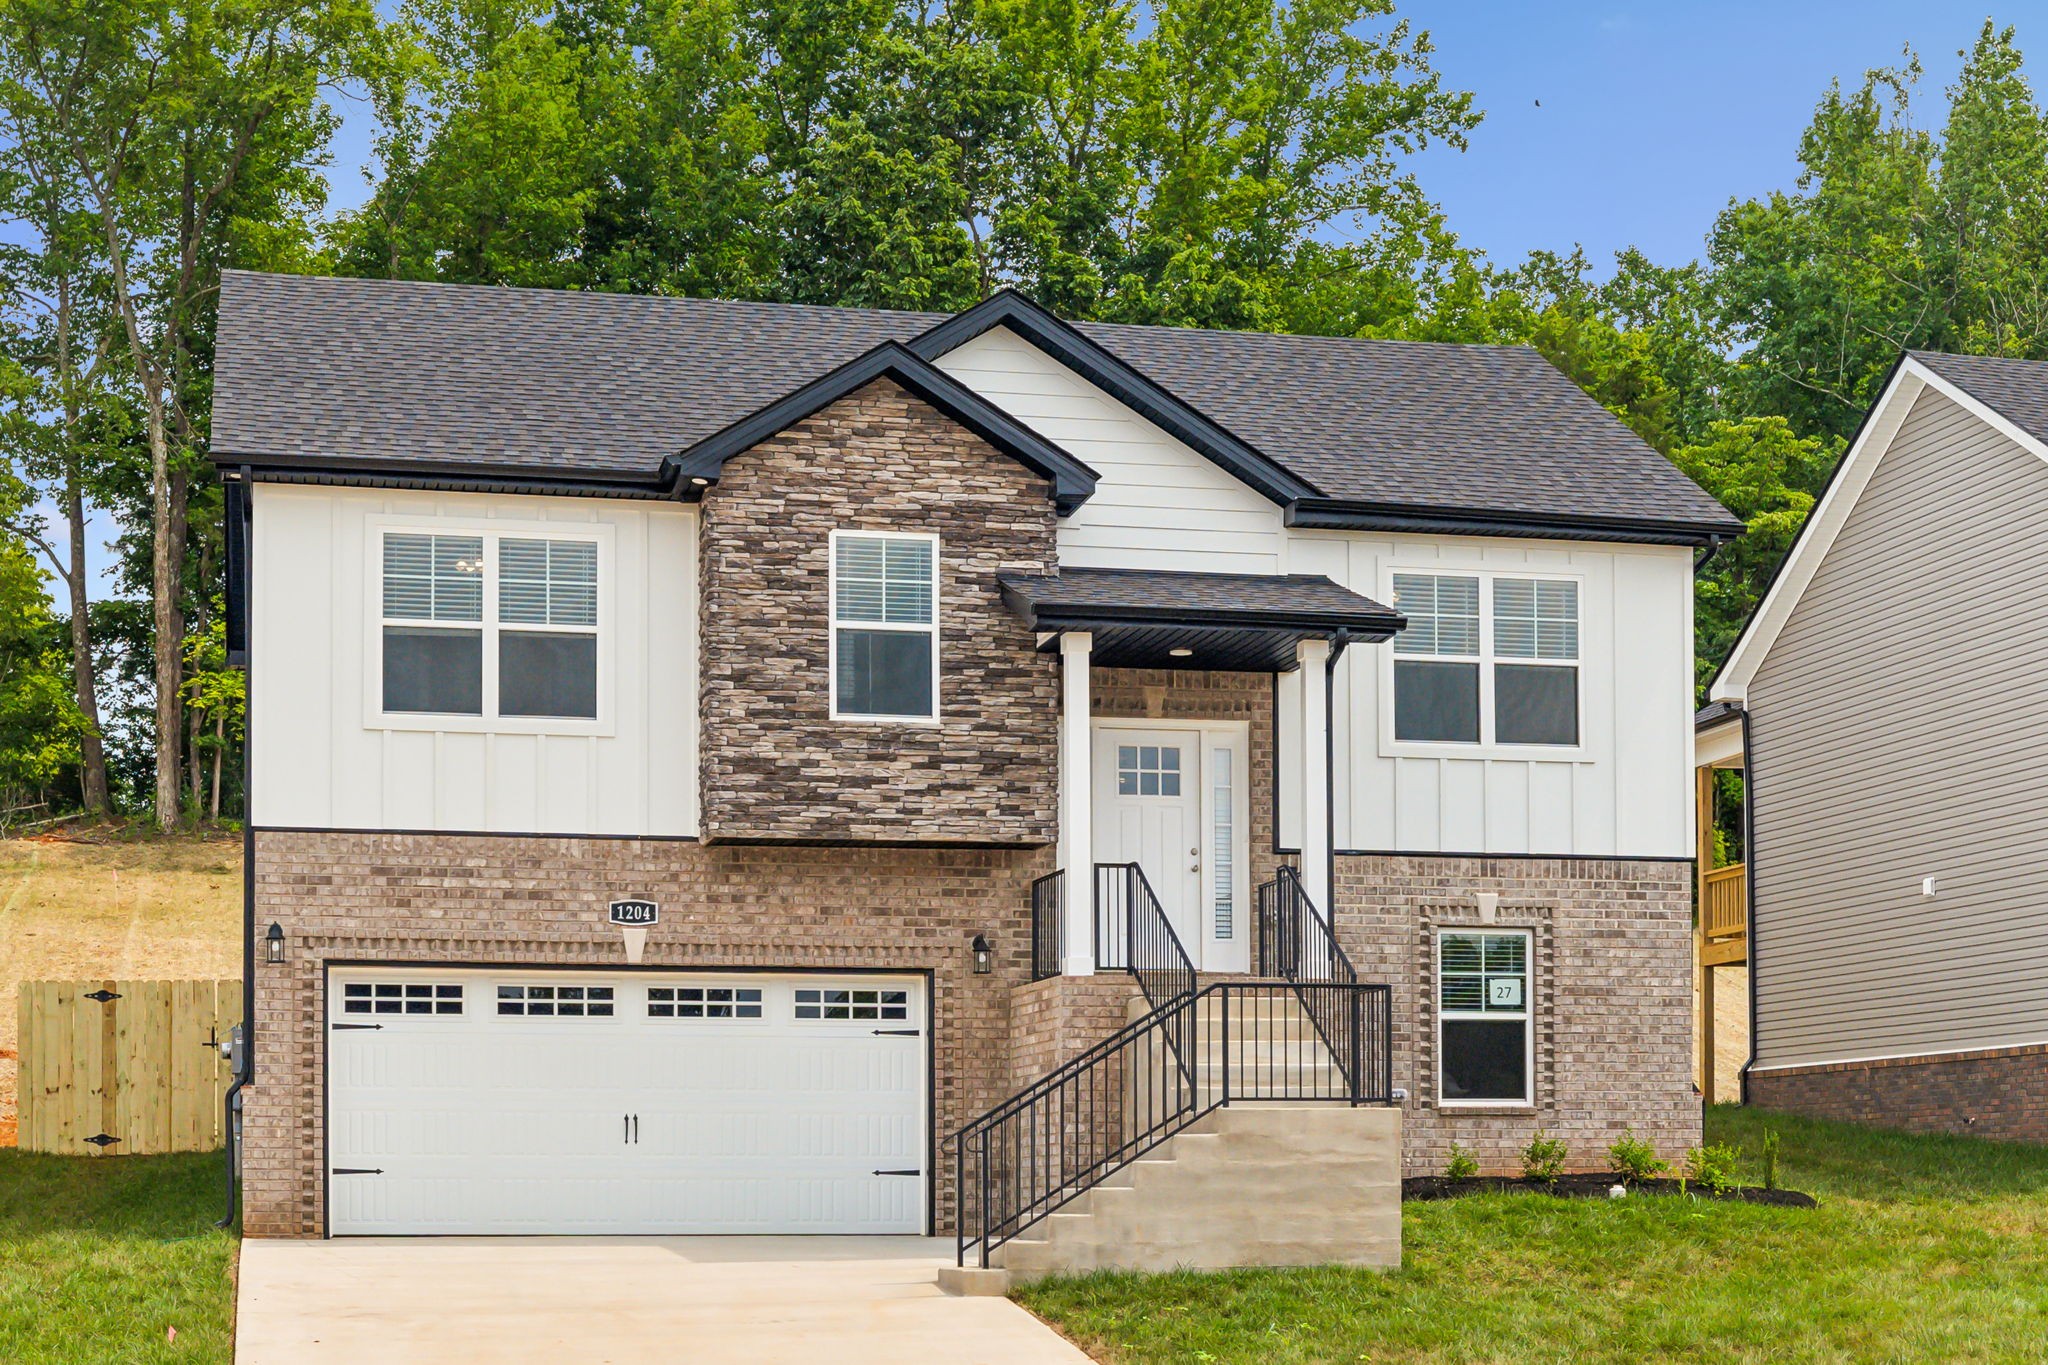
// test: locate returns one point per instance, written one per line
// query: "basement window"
(1484, 1046)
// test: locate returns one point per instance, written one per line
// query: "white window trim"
(492, 530)
(832, 625)
(1487, 746)
(1526, 1015)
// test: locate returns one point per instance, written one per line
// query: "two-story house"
(940, 699)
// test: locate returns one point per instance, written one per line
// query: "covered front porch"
(1170, 755)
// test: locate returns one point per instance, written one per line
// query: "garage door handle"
(896, 1033)
(899, 1173)
(343, 1026)
(357, 1170)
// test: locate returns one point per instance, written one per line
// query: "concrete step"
(1252, 1184)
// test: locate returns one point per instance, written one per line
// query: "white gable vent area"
(537, 1101)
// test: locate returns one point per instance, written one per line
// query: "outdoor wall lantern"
(273, 944)
(984, 956)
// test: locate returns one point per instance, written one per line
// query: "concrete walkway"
(588, 1300)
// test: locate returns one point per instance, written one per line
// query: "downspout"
(231, 1103)
(1749, 884)
(1714, 544)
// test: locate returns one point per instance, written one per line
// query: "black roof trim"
(1121, 381)
(1716, 713)
(1072, 480)
(1164, 597)
(1330, 514)
(443, 477)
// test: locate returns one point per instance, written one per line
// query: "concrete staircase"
(1259, 1183)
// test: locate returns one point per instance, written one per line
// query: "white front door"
(536, 1101)
(1172, 799)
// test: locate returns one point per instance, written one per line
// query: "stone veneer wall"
(487, 901)
(2000, 1094)
(774, 765)
(1612, 990)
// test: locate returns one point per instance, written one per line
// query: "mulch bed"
(1430, 1187)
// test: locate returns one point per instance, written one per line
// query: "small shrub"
(1712, 1166)
(1543, 1158)
(1633, 1159)
(1462, 1165)
(1770, 1158)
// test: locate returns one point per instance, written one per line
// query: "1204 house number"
(635, 914)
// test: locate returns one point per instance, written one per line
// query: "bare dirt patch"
(73, 909)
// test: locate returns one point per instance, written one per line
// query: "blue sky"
(1653, 116)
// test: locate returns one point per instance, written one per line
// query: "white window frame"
(1486, 746)
(491, 531)
(1526, 1016)
(833, 625)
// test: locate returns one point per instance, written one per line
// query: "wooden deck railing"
(1724, 902)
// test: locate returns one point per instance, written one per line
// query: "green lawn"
(100, 1258)
(1923, 1249)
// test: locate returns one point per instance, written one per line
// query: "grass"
(100, 1258)
(166, 909)
(1924, 1248)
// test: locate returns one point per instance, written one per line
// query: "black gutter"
(1072, 481)
(454, 480)
(231, 1102)
(1748, 890)
(1366, 628)
(1335, 514)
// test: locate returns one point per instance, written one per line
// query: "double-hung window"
(1483, 1037)
(490, 625)
(885, 626)
(1487, 659)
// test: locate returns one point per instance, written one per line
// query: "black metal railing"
(1048, 905)
(1096, 1114)
(1133, 933)
(1297, 944)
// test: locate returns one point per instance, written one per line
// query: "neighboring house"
(1896, 925)
(927, 673)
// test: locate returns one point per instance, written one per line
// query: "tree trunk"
(164, 619)
(220, 754)
(92, 751)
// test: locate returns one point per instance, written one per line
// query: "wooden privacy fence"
(123, 1068)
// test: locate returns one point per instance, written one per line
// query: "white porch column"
(1077, 807)
(1314, 658)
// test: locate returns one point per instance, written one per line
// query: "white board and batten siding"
(1161, 505)
(322, 759)
(1899, 731)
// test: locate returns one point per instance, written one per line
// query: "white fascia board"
(1823, 524)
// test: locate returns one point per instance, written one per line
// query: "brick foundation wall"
(1062, 1016)
(488, 901)
(774, 764)
(1611, 986)
(2000, 1094)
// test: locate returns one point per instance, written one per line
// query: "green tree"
(40, 726)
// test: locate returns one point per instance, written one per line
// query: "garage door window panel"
(852, 1003)
(703, 1002)
(559, 1002)
(394, 997)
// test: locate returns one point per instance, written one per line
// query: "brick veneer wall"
(1612, 993)
(510, 900)
(1058, 1018)
(774, 765)
(2000, 1094)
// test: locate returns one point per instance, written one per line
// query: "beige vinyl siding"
(1899, 731)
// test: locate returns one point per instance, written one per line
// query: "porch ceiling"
(1143, 618)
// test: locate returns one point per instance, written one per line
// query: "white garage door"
(624, 1102)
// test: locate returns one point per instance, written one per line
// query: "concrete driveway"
(814, 1300)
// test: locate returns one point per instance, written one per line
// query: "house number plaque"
(635, 914)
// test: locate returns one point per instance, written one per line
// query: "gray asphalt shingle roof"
(1075, 591)
(2018, 389)
(319, 371)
